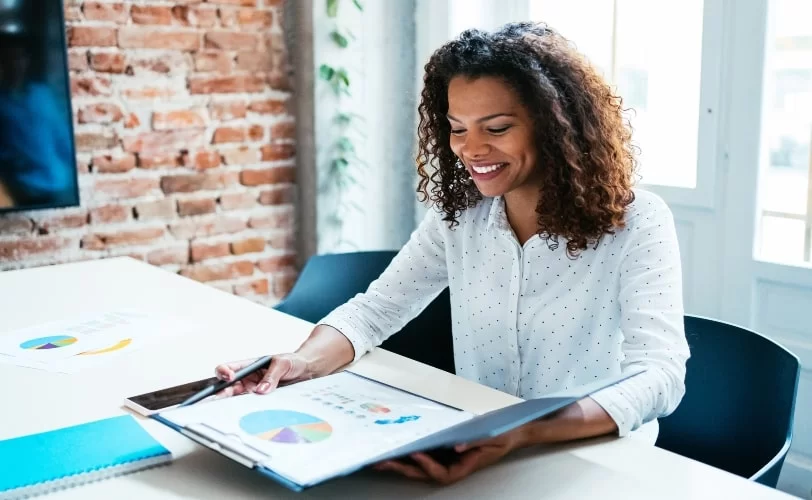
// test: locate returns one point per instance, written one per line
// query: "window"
(652, 53)
(784, 188)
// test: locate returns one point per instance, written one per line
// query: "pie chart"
(375, 408)
(53, 342)
(284, 426)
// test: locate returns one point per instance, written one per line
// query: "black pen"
(263, 362)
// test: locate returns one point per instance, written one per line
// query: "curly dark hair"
(585, 156)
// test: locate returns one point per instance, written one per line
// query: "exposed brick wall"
(184, 138)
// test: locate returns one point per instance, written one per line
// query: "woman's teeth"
(486, 169)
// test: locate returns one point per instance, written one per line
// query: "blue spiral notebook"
(40, 463)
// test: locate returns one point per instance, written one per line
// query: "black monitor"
(37, 151)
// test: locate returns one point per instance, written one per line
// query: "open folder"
(310, 432)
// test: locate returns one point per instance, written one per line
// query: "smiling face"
(492, 133)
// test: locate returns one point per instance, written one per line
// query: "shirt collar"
(497, 217)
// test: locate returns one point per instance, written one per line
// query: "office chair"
(329, 280)
(738, 410)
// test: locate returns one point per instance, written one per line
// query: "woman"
(560, 271)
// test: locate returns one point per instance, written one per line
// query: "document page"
(311, 430)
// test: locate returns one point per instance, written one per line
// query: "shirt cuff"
(615, 404)
(360, 344)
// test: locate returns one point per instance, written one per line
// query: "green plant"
(343, 159)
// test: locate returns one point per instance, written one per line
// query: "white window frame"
(434, 22)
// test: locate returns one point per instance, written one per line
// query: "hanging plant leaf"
(332, 8)
(326, 72)
(339, 39)
(345, 145)
(358, 5)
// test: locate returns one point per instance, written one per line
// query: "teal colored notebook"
(70, 456)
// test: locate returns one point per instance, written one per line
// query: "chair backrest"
(738, 408)
(329, 280)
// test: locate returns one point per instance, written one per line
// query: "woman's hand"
(473, 457)
(284, 368)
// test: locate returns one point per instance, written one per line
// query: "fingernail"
(263, 387)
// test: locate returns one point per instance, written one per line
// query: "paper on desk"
(72, 344)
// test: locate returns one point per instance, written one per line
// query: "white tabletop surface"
(226, 327)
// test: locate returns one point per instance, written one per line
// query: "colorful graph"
(53, 342)
(375, 408)
(283, 426)
(399, 420)
(115, 347)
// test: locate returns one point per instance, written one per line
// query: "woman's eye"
(500, 130)
(458, 131)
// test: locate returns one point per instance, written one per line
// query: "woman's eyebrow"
(484, 118)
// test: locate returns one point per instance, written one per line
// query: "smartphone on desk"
(153, 402)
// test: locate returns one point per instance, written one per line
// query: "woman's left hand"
(472, 457)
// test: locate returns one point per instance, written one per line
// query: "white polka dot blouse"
(529, 320)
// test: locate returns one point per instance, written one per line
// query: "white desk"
(234, 328)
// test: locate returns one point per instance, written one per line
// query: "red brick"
(271, 221)
(183, 118)
(132, 37)
(203, 251)
(132, 121)
(109, 213)
(243, 155)
(125, 188)
(83, 166)
(274, 175)
(73, 12)
(108, 62)
(227, 110)
(20, 249)
(100, 113)
(158, 161)
(228, 134)
(77, 61)
(150, 143)
(279, 80)
(203, 16)
(167, 256)
(269, 106)
(82, 86)
(108, 164)
(202, 160)
(226, 84)
(256, 133)
(236, 201)
(282, 240)
(277, 196)
(246, 18)
(283, 284)
(217, 61)
(243, 3)
(255, 287)
(158, 209)
(100, 241)
(276, 263)
(166, 63)
(187, 183)
(206, 226)
(231, 40)
(283, 130)
(275, 42)
(248, 245)
(197, 207)
(151, 14)
(91, 36)
(91, 141)
(277, 152)
(149, 92)
(254, 61)
(15, 224)
(105, 11)
(63, 220)
(213, 272)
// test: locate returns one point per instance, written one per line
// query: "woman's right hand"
(284, 368)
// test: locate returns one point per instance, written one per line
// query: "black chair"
(329, 280)
(738, 410)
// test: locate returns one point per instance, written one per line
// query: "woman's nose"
(475, 146)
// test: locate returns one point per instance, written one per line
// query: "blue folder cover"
(70, 456)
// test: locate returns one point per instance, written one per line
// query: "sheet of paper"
(80, 342)
(312, 430)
